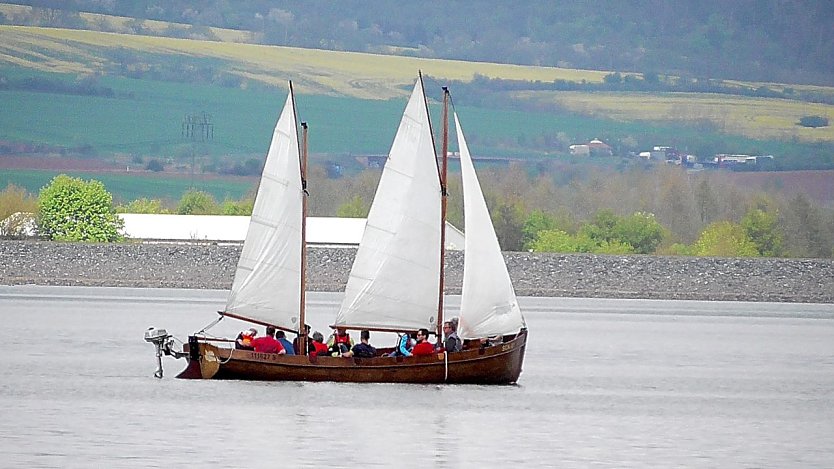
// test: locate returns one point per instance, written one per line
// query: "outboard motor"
(163, 343)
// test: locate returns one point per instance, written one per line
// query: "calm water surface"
(606, 383)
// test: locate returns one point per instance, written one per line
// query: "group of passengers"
(340, 343)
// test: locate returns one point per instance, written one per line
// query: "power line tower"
(197, 128)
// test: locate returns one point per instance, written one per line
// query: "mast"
(302, 330)
(443, 199)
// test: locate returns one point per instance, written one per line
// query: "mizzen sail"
(488, 304)
(395, 277)
(267, 282)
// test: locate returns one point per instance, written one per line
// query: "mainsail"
(488, 304)
(267, 282)
(395, 278)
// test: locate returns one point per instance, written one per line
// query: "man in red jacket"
(268, 343)
(423, 346)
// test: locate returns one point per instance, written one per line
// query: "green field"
(353, 103)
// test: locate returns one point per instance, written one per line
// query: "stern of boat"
(203, 361)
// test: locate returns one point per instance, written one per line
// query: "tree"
(641, 231)
(195, 202)
(602, 228)
(508, 220)
(237, 207)
(155, 165)
(353, 208)
(536, 222)
(762, 228)
(724, 239)
(70, 209)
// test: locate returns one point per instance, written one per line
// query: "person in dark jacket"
(364, 349)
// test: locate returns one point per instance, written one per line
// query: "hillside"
(134, 91)
(755, 40)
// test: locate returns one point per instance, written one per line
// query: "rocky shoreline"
(211, 266)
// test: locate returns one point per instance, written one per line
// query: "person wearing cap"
(244, 339)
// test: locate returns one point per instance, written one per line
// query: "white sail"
(488, 304)
(395, 279)
(267, 282)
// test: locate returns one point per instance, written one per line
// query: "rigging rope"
(212, 324)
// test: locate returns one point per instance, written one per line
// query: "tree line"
(667, 212)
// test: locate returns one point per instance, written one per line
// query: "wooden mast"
(302, 330)
(443, 198)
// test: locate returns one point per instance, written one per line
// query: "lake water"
(606, 383)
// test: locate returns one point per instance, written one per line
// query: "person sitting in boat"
(280, 336)
(244, 339)
(452, 342)
(490, 341)
(268, 343)
(404, 345)
(340, 344)
(310, 347)
(364, 349)
(319, 348)
(423, 346)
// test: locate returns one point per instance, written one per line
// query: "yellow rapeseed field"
(353, 74)
(749, 116)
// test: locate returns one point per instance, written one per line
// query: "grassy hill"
(353, 101)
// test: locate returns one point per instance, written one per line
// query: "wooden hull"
(498, 364)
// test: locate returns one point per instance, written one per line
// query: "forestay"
(395, 278)
(267, 282)
(488, 303)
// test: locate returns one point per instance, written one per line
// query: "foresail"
(267, 282)
(488, 304)
(395, 278)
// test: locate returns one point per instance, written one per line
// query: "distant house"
(598, 147)
(723, 159)
(580, 150)
(595, 147)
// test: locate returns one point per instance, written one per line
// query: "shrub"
(724, 239)
(813, 121)
(196, 202)
(16, 210)
(70, 209)
(155, 165)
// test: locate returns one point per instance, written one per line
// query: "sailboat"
(396, 281)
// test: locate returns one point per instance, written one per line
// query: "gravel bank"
(572, 275)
